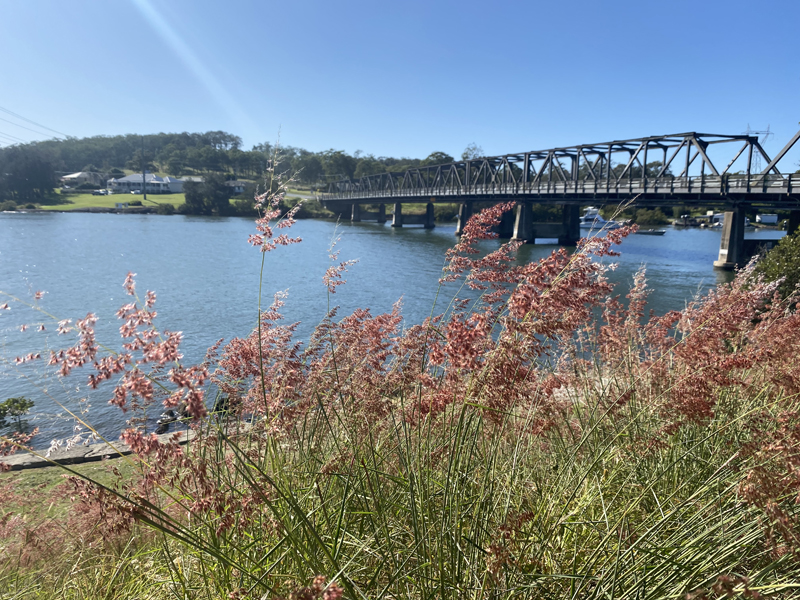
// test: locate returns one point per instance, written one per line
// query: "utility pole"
(144, 180)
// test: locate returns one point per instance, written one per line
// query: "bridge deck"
(773, 191)
(607, 172)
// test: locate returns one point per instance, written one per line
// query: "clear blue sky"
(402, 78)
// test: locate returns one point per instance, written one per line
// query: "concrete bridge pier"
(731, 246)
(358, 214)
(397, 217)
(425, 219)
(735, 250)
(464, 213)
(523, 223)
(568, 232)
(571, 225)
(794, 222)
(430, 222)
(344, 212)
(506, 228)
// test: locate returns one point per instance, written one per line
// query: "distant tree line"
(29, 172)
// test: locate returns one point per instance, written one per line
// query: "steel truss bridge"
(639, 170)
(610, 172)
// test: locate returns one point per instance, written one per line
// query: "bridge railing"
(703, 184)
(616, 168)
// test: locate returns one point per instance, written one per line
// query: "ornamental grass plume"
(538, 437)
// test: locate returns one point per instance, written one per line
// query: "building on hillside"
(237, 186)
(153, 184)
(75, 179)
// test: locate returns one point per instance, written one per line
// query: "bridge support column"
(506, 228)
(571, 225)
(794, 222)
(397, 218)
(344, 212)
(355, 213)
(732, 242)
(523, 224)
(429, 220)
(464, 213)
(381, 214)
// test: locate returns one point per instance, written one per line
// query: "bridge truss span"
(654, 170)
(667, 170)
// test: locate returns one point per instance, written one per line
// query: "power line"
(12, 138)
(13, 114)
(23, 127)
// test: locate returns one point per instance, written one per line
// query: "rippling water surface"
(206, 277)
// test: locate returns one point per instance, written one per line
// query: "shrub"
(244, 207)
(29, 205)
(445, 213)
(15, 408)
(546, 212)
(165, 209)
(307, 208)
(211, 197)
(8, 205)
(135, 203)
(646, 216)
(782, 263)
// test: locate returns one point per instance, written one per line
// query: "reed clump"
(536, 438)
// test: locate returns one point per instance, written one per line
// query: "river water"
(206, 277)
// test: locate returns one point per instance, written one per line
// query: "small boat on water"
(651, 232)
(592, 219)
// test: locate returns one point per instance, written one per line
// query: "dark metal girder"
(702, 151)
(518, 174)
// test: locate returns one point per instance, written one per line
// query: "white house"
(237, 187)
(150, 183)
(80, 177)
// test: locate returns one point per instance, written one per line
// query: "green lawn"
(298, 191)
(88, 200)
(37, 483)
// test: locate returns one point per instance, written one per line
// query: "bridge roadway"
(593, 174)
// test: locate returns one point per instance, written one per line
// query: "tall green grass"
(516, 445)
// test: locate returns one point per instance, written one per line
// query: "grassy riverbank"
(539, 441)
(37, 491)
(80, 201)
